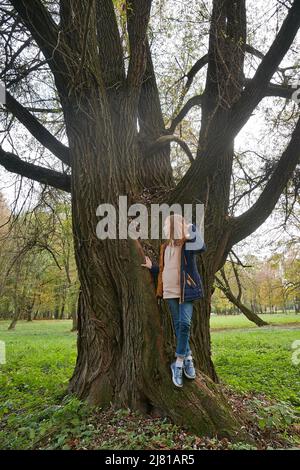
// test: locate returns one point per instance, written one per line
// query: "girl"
(179, 283)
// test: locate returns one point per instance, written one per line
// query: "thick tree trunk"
(124, 351)
(75, 310)
(124, 339)
(14, 321)
(124, 354)
(201, 343)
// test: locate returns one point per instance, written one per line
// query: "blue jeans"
(182, 318)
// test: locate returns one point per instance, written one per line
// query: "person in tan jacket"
(180, 284)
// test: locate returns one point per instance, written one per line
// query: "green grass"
(259, 361)
(240, 321)
(40, 360)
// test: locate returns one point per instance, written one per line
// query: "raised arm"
(196, 241)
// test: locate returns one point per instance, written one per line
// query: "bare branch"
(249, 221)
(194, 101)
(45, 32)
(194, 70)
(256, 89)
(166, 140)
(37, 129)
(200, 63)
(14, 164)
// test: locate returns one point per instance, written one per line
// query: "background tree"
(38, 272)
(236, 298)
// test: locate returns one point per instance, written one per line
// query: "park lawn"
(40, 359)
(259, 360)
(240, 321)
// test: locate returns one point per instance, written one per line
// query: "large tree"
(99, 54)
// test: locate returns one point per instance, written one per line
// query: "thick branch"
(200, 63)
(250, 220)
(252, 50)
(14, 164)
(165, 140)
(157, 170)
(150, 114)
(237, 278)
(138, 14)
(256, 89)
(226, 54)
(109, 43)
(282, 91)
(274, 89)
(37, 129)
(194, 101)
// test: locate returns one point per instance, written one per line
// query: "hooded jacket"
(191, 286)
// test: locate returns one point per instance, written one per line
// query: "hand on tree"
(148, 263)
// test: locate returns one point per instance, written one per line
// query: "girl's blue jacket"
(191, 285)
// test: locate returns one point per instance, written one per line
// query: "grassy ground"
(41, 357)
(240, 321)
(259, 361)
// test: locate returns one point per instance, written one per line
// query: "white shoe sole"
(173, 379)
(188, 376)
